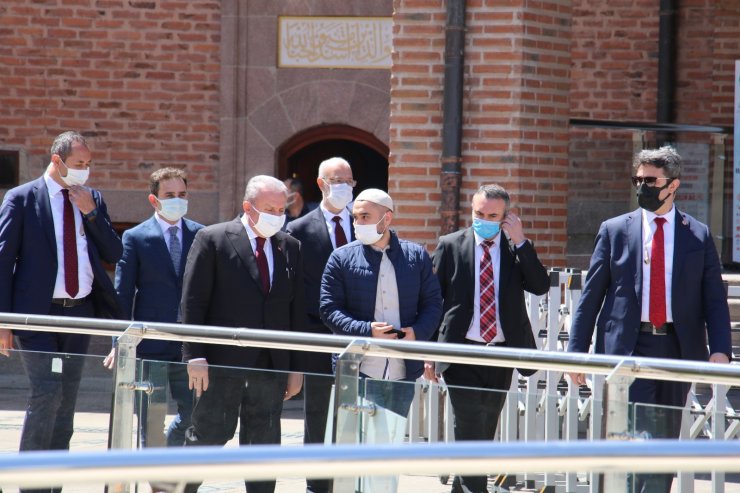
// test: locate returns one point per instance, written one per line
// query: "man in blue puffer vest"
(382, 287)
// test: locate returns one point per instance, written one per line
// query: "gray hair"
(665, 158)
(62, 145)
(331, 162)
(494, 191)
(260, 183)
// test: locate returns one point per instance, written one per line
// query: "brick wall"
(515, 110)
(138, 78)
(614, 77)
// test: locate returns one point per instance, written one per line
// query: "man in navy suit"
(320, 232)
(54, 235)
(149, 286)
(658, 276)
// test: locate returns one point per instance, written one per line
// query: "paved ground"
(91, 433)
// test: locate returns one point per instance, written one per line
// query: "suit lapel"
(43, 210)
(635, 250)
(160, 243)
(322, 233)
(506, 259)
(187, 240)
(239, 239)
(468, 246)
(681, 239)
(279, 262)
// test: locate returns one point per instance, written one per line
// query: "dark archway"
(300, 156)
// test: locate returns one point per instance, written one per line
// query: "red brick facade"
(196, 84)
(139, 78)
(515, 113)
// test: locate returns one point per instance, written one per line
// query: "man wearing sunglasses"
(657, 273)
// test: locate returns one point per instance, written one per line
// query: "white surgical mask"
(173, 209)
(368, 233)
(339, 195)
(74, 176)
(267, 225)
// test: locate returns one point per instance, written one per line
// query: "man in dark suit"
(658, 276)
(149, 286)
(484, 273)
(54, 235)
(296, 207)
(244, 273)
(320, 232)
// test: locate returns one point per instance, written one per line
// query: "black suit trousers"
(252, 397)
(477, 394)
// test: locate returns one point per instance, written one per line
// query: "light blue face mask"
(486, 229)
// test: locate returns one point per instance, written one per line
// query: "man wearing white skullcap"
(382, 287)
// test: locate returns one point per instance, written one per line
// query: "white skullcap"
(376, 196)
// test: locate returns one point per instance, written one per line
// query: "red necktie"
(69, 241)
(487, 294)
(339, 237)
(657, 276)
(262, 265)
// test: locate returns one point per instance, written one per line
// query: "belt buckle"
(660, 331)
(68, 302)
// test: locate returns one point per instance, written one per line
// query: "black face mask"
(647, 197)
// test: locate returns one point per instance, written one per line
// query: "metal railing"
(619, 371)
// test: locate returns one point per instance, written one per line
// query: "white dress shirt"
(166, 229)
(648, 230)
(474, 330)
(84, 268)
(253, 240)
(387, 309)
(329, 220)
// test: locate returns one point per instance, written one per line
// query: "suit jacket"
(148, 288)
(316, 245)
(614, 279)
(222, 287)
(28, 254)
(519, 270)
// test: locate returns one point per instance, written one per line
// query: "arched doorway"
(300, 156)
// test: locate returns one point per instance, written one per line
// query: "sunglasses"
(648, 180)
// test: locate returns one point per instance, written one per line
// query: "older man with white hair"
(244, 273)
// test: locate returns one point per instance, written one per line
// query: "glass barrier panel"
(77, 385)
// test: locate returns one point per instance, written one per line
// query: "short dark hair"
(665, 158)
(62, 145)
(165, 174)
(494, 191)
(295, 185)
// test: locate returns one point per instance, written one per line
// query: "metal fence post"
(552, 418)
(122, 414)
(617, 422)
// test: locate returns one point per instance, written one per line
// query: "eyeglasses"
(648, 180)
(340, 181)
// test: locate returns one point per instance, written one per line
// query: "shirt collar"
(51, 185)
(479, 239)
(250, 232)
(165, 225)
(329, 216)
(670, 216)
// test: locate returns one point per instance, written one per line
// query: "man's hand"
(379, 330)
(410, 335)
(110, 360)
(198, 376)
(577, 378)
(513, 227)
(429, 372)
(719, 358)
(295, 382)
(82, 198)
(6, 341)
